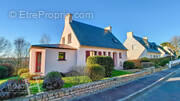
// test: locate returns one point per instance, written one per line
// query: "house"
(170, 51)
(78, 42)
(140, 47)
(164, 53)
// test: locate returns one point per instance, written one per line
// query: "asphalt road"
(169, 90)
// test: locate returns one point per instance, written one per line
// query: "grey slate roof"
(152, 46)
(89, 35)
(58, 46)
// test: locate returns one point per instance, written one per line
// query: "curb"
(135, 94)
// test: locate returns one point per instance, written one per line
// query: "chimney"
(109, 28)
(145, 38)
(129, 34)
(68, 18)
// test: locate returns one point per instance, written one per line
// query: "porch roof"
(56, 46)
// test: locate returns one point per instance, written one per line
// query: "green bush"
(163, 62)
(3, 72)
(144, 59)
(22, 70)
(11, 69)
(53, 81)
(105, 61)
(95, 72)
(25, 75)
(179, 57)
(129, 65)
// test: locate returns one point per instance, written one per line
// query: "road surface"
(169, 90)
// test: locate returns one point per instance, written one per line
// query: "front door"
(115, 58)
(38, 62)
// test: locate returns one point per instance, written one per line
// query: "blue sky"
(159, 20)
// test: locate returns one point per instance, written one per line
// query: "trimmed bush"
(129, 65)
(23, 70)
(105, 61)
(3, 72)
(53, 81)
(95, 72)
(144, 59)
(25, 75)
(13, 88)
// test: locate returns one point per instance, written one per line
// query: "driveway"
(168, 90)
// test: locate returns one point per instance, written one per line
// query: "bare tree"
(45, 39)
(5, 47)
(21, 50)
(175, 41)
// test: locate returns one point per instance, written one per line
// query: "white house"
(140, 47)
(163, 52)
(170, 51)
(78, 41)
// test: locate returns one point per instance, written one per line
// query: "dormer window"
(69, 38)
(63, 40)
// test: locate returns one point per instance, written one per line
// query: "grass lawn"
(4, 80)
(68, 82)
(119, 73)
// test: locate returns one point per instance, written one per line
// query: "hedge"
(3, 72)
(95, 72)
(144, 59)
(105, 61)
(129, 65)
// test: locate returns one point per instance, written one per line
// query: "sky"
(159, 20)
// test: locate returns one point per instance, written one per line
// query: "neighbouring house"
(164, 53)
(78, 42)
(170, 51)
(140, 47)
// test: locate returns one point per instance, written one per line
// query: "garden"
(20, 82)
(98, 68)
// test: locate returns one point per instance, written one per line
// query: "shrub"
(22, 70)
(137, 62)
(179, 57)
(163, 62)
(144, 59)
(13, 88)
(25, 75)
(105, 61)
(3, 72)
(95, 72)
(11, 69)
(53, 81)
(128, 65)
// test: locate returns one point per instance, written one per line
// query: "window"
(87, 54)
(62, 56)
(109, 53)
(69, 38)
(99, 53)
(104, 53)
(120, 55)
(95, 53)
(63, 40)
